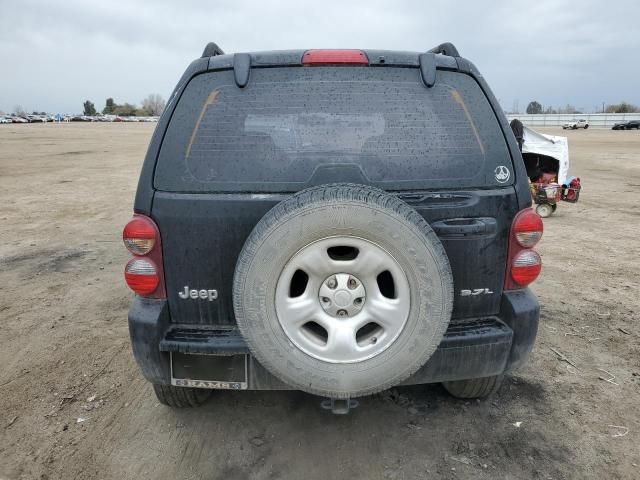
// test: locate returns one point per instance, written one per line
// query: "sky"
(54, 54)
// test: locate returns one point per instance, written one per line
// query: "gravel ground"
(73, 404)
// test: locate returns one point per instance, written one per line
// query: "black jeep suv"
(333, 221)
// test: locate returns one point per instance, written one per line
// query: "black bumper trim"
(471, 348)
(229, 341)
(211, 341)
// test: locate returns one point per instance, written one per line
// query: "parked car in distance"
(630, 125)
(36, 119)
(5, 120)
(575, 124)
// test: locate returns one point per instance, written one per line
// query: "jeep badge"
(195, 294)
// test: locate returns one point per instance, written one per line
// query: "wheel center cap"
(342, 298)
(342, 295)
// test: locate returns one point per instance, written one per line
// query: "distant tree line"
(622, 107)
(152, 105)
(535, 107)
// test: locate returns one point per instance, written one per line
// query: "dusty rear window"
(294, 127)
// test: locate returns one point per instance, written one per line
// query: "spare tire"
(342, 291)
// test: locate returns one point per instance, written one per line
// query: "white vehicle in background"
(5, 120)
(575, 124)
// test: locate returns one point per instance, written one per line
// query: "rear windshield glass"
(294, 127)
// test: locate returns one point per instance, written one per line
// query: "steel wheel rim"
(364, 330)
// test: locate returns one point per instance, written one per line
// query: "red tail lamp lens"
(528, 228)
(523, 263)
(143, 273)
(335, 57)
(142, 276)
(139, 235)
(526, 267)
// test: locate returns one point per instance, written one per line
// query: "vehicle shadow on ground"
(405, 432)
(415, 399)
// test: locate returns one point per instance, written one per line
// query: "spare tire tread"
(352, 191)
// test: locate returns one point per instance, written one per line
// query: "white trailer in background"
(553, 146)
(547, 160)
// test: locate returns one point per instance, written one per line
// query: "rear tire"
(181, 397)
(586, 126)
(474, 387)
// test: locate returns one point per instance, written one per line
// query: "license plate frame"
(203, 371)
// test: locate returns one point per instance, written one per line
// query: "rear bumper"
(471, 348)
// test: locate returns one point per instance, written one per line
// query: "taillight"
(526, 267)
(141, 276)
(139, 235)
(523, 263)
(528, 228)
(334, 57)
(143, 273)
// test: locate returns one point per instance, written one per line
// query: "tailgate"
(202, 236)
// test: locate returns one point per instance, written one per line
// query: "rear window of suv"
(292, 123)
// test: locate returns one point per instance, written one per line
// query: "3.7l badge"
(194, 294)
(475, 292)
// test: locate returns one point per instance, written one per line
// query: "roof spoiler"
(446, 48)
(428, 62)
(211, 50)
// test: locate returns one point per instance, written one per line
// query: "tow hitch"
(339, 406)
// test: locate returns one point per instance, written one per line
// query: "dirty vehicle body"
(333, 221)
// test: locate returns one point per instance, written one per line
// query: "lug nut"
(352, 283)
(358, 301)
(332, 283)
(342, 313)
(325, 299)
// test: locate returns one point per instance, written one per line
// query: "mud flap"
(520, 310)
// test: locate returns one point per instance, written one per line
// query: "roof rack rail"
(446, 48)
(211, 50)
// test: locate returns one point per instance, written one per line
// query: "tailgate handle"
(460, 227)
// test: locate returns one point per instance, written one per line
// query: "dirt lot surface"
(73, 404)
